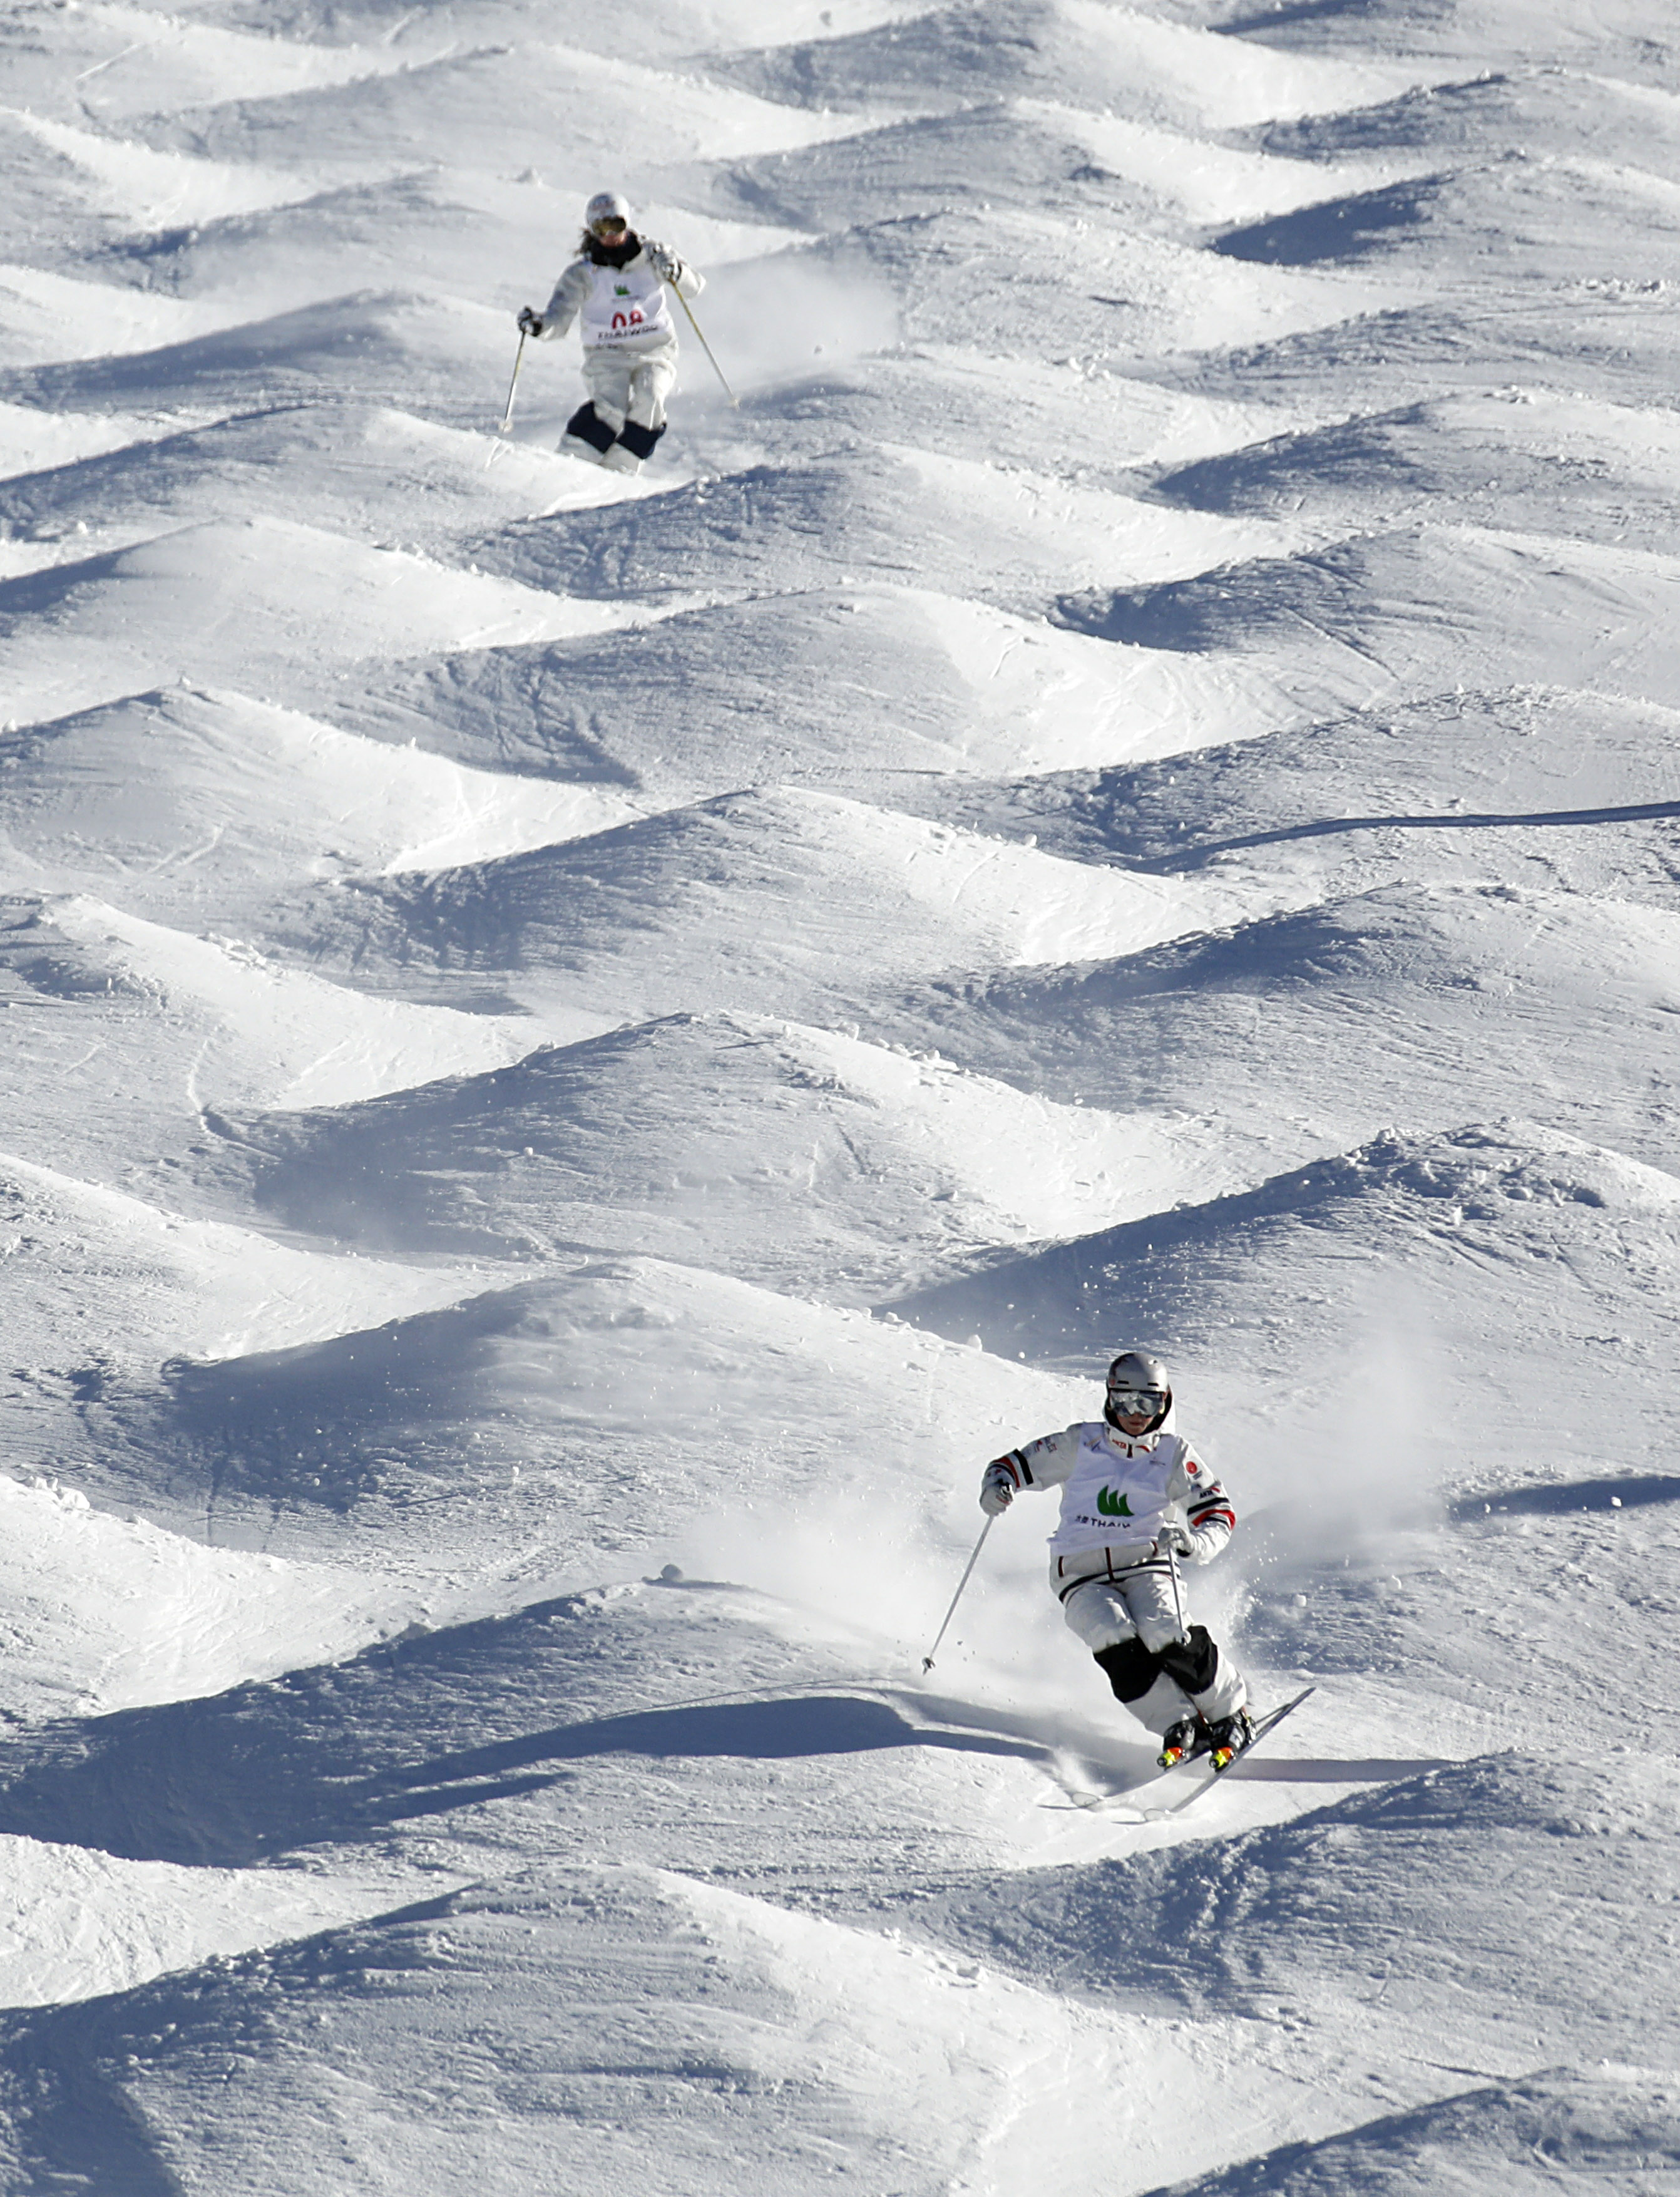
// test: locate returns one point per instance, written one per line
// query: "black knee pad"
(587, 424)
(639, 440)
(1132, 1670)
(1193, 1662)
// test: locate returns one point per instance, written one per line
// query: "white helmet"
(1143, 1381)
(606, 210)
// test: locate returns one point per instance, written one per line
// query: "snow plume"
(1358, 1467)
(869, 1561)
(876, 1569)
(787, 317)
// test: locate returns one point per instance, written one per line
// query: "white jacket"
(621, 308)
(1117, 1493)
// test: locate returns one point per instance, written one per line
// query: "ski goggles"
(608, 224)
(1137, 1403)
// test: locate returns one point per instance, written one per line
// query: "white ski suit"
(1117, 1578)
(630, 348)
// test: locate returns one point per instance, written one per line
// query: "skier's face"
(1136, 1410)
(610, 229)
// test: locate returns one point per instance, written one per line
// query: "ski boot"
(1228, 1738)
(1182, 1740)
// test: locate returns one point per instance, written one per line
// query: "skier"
(1135, 1497)
(617, 286)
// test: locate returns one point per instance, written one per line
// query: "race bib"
(627, 305)
(1113, 1500)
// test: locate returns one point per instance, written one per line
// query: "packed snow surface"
(582, 1051)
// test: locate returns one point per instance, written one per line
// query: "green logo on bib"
(620, 289)
(1112, 1505)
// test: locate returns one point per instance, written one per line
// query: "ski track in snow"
(580, 1053)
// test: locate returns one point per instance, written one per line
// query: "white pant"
(630, 385)
(1160, 1667)
(1137, 1604)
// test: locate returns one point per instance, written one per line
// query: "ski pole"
(927, 1659)
(736, 402)
(519, 361)
(507, 417)
(1178, 1599)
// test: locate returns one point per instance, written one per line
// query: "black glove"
(530, 323)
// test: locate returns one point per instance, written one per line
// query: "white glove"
(1174, 1540)
(997, 1488)
(664, 262)
(530, 322)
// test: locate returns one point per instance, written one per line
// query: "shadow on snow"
(1626, 1491)
(344, 1751)
(1198, 857)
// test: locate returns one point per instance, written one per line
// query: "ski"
(1203, 1772)
(1196, 1770)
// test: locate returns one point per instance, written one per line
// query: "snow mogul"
(616, 287)
(1135, 1498)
